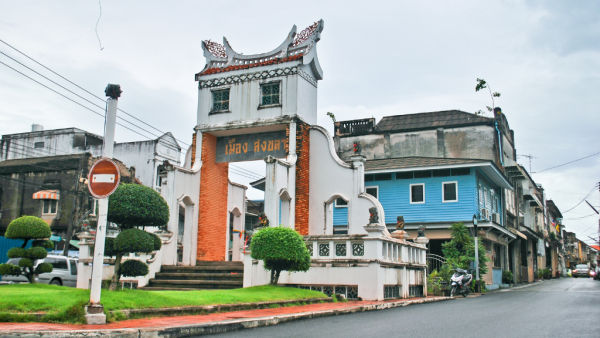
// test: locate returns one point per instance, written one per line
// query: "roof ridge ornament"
(214, 48)
(307, 32)
(222, 57)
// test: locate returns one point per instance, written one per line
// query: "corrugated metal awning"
(46, 195)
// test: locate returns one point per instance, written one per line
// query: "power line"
(72, 92)
(90, 102)
(81, 88)
(257, 175)
(76, 102)
(583, 199)
(576, 218)
(566, 163)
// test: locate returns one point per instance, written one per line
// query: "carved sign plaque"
(251, 147)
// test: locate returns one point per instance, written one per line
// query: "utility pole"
(95, 310)
(476, 253)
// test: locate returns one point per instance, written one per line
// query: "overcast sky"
(379, 58)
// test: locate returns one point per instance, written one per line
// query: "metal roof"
(429, 163)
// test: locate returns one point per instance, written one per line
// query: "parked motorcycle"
(460, 282)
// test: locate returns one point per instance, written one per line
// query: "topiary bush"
(132, 268)
(28, 228)
(109, 247)
(157, 241)
(10, 269)
(134, 240)
(131, 207)
(16, 252)
(137, 205)
(281, 249)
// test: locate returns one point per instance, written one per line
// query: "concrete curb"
(204, 309)
(221, 326)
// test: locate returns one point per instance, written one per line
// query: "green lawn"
(21, 302)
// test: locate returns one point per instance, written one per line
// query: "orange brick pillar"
(302, 177)
(212, 211)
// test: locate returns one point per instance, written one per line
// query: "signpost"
(102, 181)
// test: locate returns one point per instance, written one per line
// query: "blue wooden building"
(437, 192)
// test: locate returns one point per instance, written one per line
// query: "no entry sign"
(104, 178)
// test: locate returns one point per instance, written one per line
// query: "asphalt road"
(567, 307)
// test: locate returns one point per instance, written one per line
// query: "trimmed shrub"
(137, 205)
(16, 252)
(133, 267)
(134, 240)
(26, 263)
(44, 243)
(281, 249)
(134, 206)
(109, 247)
(35, 253)
(9, 269)
(157, 241)
(43, 268)
(28, 227)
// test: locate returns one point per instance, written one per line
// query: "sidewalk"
(203, 324)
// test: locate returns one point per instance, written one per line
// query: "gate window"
(269, 93)
(220, 100)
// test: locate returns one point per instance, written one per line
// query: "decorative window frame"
(410, 197)
(376, 187)
(212, 98)
(260, 94)
(336, 205)
(444, 200)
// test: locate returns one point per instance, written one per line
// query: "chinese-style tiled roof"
(215, 70)
(222, 58)
(431, 120)
(418, 162)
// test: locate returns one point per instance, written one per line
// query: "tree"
(482, 84)
(131, 207)
(28, 228)
(460, 250)
(281, 249)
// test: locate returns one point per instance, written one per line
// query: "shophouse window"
(269, 93)
(220, 100)
(373, 191)
(450, 191)
(38, 145)
(417, 193)
(49, 207)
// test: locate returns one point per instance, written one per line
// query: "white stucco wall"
(236, 205)
(146, 156)
(298, 97)
(331, 178)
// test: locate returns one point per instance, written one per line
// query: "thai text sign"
(251, 147)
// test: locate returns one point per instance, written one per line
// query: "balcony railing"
(362, 249)
(354, 127)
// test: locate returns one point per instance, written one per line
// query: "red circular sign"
(103, 178)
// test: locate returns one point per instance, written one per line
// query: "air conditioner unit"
(485, 214)
(496, 218)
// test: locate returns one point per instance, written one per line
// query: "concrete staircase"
(205, 275)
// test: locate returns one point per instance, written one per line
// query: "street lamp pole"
(476, 253)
